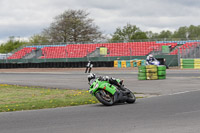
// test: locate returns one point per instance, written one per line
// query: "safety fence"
(188, 50)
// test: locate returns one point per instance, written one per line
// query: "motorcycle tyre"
(131, 98)
(104, 102)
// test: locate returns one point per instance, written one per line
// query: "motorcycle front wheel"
(105, 97)
(131, 97)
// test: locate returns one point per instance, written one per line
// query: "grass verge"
(16, 98)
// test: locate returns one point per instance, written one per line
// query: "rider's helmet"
(150, 56)
(91, 76)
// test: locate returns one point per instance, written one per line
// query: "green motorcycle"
(109, 91)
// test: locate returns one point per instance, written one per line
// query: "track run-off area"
(172, 104)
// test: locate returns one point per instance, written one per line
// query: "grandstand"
(112, 49)
(101, 54)
(184, 47)
(83, 50)
(21, 53)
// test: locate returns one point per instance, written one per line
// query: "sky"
(24, 18)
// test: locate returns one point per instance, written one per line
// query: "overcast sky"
(24, 18)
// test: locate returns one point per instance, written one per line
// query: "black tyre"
(131, 98)
(105, 97)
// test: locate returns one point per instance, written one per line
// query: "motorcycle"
(155, 62)
(109, 94)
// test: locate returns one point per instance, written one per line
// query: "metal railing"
(190, 51)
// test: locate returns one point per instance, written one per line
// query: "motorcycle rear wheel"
(105, 97)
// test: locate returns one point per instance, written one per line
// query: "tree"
(128, 33)
(73, 26)
(165, 34)
(40, 39)
(182, 33)
(194, 32)
(151, 35)
(11, 45)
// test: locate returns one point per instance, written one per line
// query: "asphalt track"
(177, 80)
(175, 109)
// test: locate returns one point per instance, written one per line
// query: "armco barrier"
(190, 63)
(55, 65)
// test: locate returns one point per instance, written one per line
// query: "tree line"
(133, 33)
(75, 26)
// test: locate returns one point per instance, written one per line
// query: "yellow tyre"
(152, 77)
(151, 66)
(151, 74)
(153, 70)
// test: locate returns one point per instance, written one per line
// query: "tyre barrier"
(55, 65)
(142, 73)
(129, 63)
(161, 72)
(151, 72)
(190, 63)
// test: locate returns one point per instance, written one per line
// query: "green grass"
(16, 98)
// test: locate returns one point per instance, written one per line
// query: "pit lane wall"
(190, 63)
